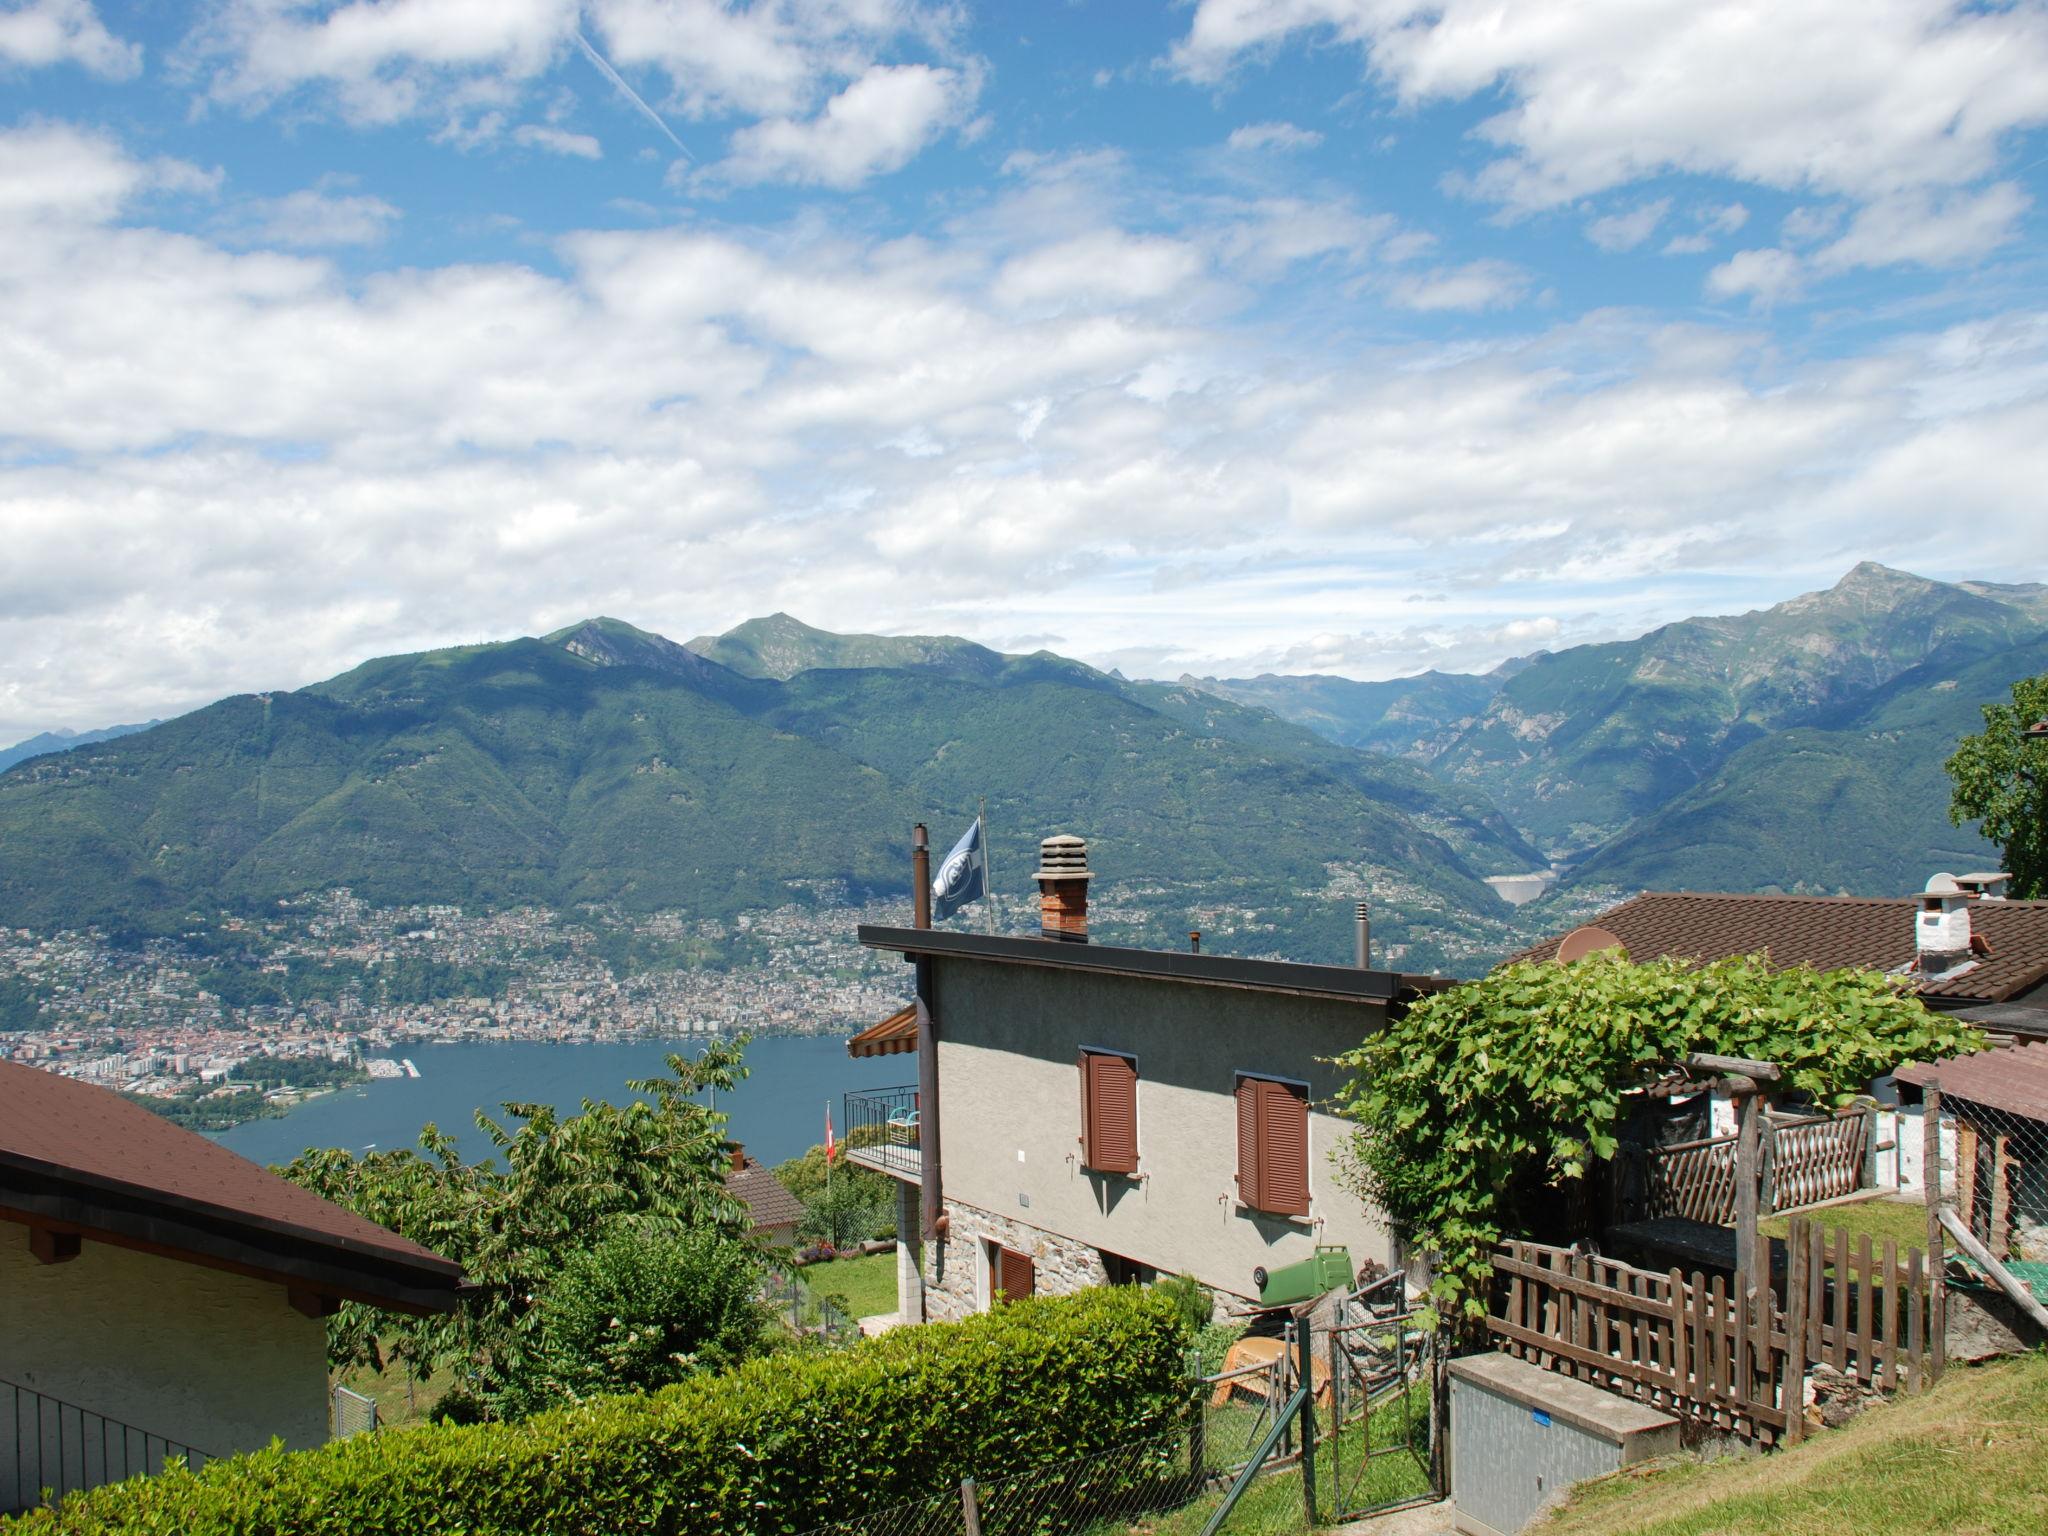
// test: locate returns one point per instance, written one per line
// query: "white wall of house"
(1010, 1123)
(217, 1361)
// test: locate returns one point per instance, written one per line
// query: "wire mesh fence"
(803, 1311)
(350, 1413)
(2000, 1183)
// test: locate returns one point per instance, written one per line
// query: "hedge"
(777, 1445)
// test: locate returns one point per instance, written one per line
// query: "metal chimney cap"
(1063, 856)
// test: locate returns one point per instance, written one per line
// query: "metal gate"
(1356, 1426)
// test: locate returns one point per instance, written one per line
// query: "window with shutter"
(1109, 1111)
(1272, 1145)
(1014, 1275)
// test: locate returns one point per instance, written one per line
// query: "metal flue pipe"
(1365, 936)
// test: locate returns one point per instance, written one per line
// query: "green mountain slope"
(1412, 716)
(605, 764)
(1854, 803)
(1576, 747)
(780, 647)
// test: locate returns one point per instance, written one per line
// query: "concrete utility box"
(1521, 1436)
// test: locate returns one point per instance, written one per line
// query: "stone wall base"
(955, 1269)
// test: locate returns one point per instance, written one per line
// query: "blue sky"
(1339, 335)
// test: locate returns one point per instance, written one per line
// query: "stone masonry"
(953, 1265)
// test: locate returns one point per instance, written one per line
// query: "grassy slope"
(1968, 1459)
(868, 1283)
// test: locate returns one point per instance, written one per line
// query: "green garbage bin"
(1329, 1269)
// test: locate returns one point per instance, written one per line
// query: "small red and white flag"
(831, 1146)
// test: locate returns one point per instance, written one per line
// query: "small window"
(1272, 1145)
(1109, 1111)
(1123, 1271)
(1011, 1274)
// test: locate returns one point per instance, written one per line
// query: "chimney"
(736, 1155)
(1986, 885)
(1063, 877)
(1941, 928)
(1365, 935)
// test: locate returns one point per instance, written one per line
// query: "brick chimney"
(1063, 877)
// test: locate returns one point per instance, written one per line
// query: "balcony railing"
(51, 1448)
(882, 1131)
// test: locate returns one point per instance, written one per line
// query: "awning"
(894, 1036)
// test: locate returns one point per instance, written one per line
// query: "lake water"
(778, 1112)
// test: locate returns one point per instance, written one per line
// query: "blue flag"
(963, 876)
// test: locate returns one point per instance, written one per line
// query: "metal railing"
(882, 1131)
(49, 1448)
(350, 1413)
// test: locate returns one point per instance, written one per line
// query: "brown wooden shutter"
(1109, 1087)
(1014, 1274)
(1283, 1148)
(1249, 1190)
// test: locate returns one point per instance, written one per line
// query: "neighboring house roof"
(766, 1197)
(2013, 1078)
(894, 1036)
(1827, 933)
(1338, 981)
(87, 1159)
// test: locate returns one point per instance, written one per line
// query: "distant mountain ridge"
(63, 741)
(605, 764)
(1694, 756)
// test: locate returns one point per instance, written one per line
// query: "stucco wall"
(217, 1361)
(1010, 1116)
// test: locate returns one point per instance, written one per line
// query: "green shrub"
(647, 1305)
(776, 1446)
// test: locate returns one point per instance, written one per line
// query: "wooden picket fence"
(1875, 1313)
(1697, 1346)
(1706, 1347)
(1804, 1162)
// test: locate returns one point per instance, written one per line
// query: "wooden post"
(1937, 1241)
(1792, 1397)
(1746, 1177)
(970, 1506)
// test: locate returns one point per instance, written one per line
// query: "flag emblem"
(962, 876)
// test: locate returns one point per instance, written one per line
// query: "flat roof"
(1344, 982)
(77, 1156)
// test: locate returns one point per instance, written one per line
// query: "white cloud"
(1486, 284)
(1837, 97)
(1102, 265)
(875, 126)
(558, 141)
(1932, 229)
(1712, 223)
(1765, 276)
(56, 172)
(1625, 231)
(315, 218)
(381, 62)
(677, 425)
(1256, 136)
(40, 33)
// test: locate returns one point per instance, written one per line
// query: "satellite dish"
(1589, 940)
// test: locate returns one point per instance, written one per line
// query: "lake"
(778, 1112)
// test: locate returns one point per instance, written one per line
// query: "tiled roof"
(1826, 932)
(765, 1196)
(894, 1036)
(55, 1127)
(2013, 1078)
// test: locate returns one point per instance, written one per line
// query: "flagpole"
(988, 869)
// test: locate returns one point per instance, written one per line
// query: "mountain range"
(1793, 748)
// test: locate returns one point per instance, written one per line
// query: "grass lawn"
(396, 1405)
(1970, 1458)
(1881, 1217)
(868, 1283)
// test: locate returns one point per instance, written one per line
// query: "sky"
(1351, 336)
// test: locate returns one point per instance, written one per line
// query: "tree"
(1478, 1102)
(2001, 780)
(564, 1184)
(649, 1303)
